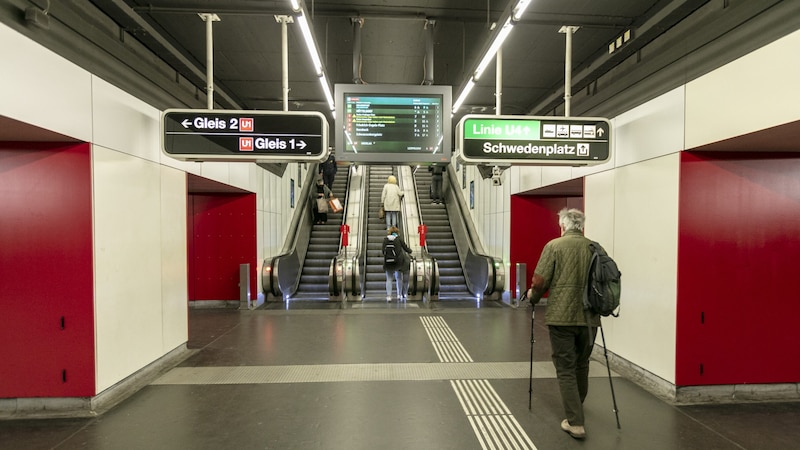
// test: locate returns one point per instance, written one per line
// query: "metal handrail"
(485, 274)
(280, 275)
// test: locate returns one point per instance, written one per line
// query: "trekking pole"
(530, 375)
(613, 397)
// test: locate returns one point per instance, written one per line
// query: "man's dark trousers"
(572, 347)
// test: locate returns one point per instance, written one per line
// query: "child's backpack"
(389, 253)
(604, 283)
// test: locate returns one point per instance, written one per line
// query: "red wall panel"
(534, 222)
(46, 293)
(223, 236)
(738, 248)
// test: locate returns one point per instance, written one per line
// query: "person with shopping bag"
(321, 203)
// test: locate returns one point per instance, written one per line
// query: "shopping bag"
(381, 213)
(336, 205)
(322, 205)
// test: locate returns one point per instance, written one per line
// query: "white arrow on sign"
(186, 123)
(301, 144)
(600, 132)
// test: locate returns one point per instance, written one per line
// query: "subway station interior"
(169, 280)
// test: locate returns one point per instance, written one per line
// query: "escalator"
(452, 266)
(323, 246)
(441, 243)
(375, 285)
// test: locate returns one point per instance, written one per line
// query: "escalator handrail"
(424, 255)
(282, 282)
(360, 254)
(350, 255)
(475, 261)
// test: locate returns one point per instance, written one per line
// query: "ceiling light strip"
(298, 6)
(508, 18)
(498, 41)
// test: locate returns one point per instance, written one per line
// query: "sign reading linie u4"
(534, 140)
(249, 136)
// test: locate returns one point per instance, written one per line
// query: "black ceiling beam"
(152, 38)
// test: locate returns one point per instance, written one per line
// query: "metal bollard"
(244, 286)
(522, 280)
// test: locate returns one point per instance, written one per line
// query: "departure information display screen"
(389, 124)
(393, 123)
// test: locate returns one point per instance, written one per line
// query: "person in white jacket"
(390, 199)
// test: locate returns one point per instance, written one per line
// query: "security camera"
(497, 179)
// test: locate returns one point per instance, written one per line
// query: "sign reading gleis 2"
(250, 136)
(534, 140)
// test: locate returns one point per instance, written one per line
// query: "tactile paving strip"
(355, 372)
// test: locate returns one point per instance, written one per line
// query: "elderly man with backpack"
(563, 270)
(395, 263)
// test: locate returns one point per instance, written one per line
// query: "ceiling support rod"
(498, 96)
(284, 21)
(429, 41)
(358, 23)
(568, 31)
(209, 19)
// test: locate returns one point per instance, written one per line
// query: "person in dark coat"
(437, 172)
(399, 268)
(328, 171)
(321, 203)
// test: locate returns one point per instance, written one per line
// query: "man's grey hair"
(571, 219)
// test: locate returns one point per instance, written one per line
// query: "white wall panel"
(757, 91)
(651, 130)
(217, 171)
(526, 178)
(240, 175)
(128, 259)
(633, 213)
(43, 89)
(174, 270)
(555, 174)
(582, 171)
(124, 123)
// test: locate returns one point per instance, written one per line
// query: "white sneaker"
(388, 298)
(576, 431)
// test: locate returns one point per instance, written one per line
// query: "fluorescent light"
(511, 14)
(309, 38)
(464, 94)
(498, 41)
(518, 10)
(327, 89)
(311, 45)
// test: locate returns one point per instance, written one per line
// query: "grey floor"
(386, 376)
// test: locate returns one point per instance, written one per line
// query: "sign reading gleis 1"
(225, 135)
(534, 140)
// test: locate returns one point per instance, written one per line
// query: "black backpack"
(604, 283)
(389, 253)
